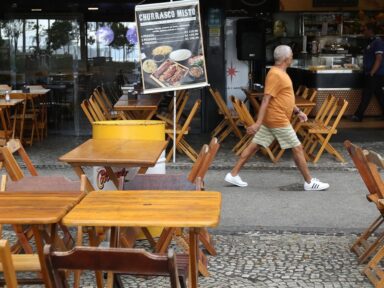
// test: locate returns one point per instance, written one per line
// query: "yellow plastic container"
(133, 130)
(129, 129)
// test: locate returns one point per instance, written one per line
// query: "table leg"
(193, 257)
(79, 171)
(22, 119)
(112, 176)
(40, 251)
(150, 114)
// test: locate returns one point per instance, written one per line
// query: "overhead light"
(93, 8)
(36, 9)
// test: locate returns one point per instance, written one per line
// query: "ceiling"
(120, 10)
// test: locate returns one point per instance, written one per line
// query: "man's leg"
(301, 163)
(247, 153)
(379, 84)
(365, 97)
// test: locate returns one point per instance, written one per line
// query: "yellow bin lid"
(129, 129)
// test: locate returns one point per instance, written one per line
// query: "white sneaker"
(235, 180)
(315, 185)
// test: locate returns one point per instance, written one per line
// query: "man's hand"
(302, 116)
(253, 128)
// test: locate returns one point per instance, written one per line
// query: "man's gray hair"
(281, 53)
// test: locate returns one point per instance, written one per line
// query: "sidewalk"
(271, 233)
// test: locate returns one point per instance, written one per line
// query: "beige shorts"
(286, 137)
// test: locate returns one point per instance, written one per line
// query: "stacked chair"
(318, 132)
(183, 123)
(230, 120)
(247, 120)
(98, 107)
(369, 246)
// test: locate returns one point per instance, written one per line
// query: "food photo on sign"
(171, 46)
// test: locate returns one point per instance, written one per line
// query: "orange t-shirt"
(280, 107)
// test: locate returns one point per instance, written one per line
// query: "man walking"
(373, 71)
(273, 122)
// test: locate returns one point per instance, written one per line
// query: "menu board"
(171, 45)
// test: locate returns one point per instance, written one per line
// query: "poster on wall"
(171, 46)
(236, 70)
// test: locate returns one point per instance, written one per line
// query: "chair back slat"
(13, 169)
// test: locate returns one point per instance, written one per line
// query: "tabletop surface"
(146, 208)
(116, 152)
(143, 101)
(36, 208)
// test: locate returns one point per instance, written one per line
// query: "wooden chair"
(309, 94)
(11, 166)
(374, 270)
(97, 109)
(127, 261)
(88, 111)
(229, 122)
(319, 133)
(10, 264)
(107, 111)
(364, 247)
(300, 90)
(181, 102)
(247, 120)
(181, 144)
(28, 119)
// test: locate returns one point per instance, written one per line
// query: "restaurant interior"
(67, 47)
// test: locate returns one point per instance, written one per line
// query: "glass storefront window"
(48, 51)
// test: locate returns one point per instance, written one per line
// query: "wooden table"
(114, 153)
(142, 107)
(28, 97)
(192, 209)
(6, 117)
(39, 210)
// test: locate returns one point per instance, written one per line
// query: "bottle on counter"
(7, 96)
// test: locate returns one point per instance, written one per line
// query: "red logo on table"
(103, 177)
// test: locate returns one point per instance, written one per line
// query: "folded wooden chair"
(106, 106)
(126, 261)
(318, 134)
(364, 246)
(181, 144)
(229, 122)
(97, 109)
(89, 112)
(247, 120)
(309, 94)
(10, 264)
(181, 101)
(300, 90)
